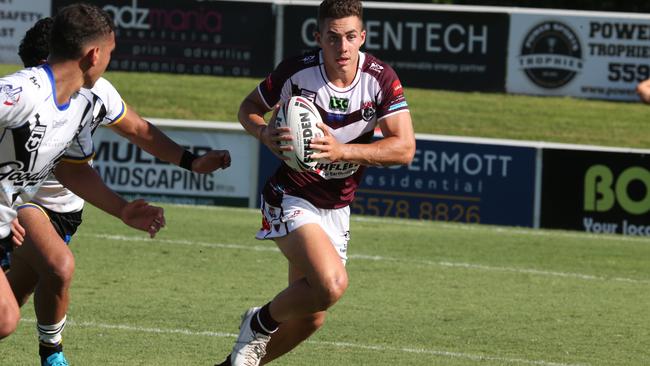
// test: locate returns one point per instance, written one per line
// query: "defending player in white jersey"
(54, 213)
(45, 120)
(307, 213)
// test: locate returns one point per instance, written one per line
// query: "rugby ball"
(301, 116)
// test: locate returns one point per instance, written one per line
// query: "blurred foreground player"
(45, 265)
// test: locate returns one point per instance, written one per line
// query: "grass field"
(517, 117)
(421, 293)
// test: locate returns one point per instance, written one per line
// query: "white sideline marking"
(455, 226)
(261, 248)
(422, 351)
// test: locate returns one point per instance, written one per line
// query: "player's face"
(340, 40)
(103, 57)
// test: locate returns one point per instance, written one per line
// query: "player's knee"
(61, 269)
(332, 290)
(9, 318)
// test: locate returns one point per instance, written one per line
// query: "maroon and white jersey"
(351, 113)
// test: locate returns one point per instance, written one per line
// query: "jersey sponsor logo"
(340, 104)
(308, 59)
(14, 172)
(37, 135)
(368, 110)
(35, 81)
(397, 106)
(397, 88)
(10, 95)
(376, 67)
(336, 170)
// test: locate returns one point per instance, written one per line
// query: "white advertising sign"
(129, 170)
(587, 55)
(16, 17)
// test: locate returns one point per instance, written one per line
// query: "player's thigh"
(9, 313)
(310, 252)
(43, 248)
(22, 278)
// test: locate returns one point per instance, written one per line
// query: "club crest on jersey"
(367, 111)
(340, 104)
(10, 95)
(36, 137)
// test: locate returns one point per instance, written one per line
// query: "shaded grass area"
(518, 117)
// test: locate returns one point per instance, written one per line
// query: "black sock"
(262, 322)
(46, 350)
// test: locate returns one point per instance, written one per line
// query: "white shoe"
(251, 345)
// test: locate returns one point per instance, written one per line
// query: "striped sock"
(50, 335)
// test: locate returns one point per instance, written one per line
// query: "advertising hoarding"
(455, 50)
(129, 170)
(601, 192)
(191, 37)
(16, 17)
(586, 55)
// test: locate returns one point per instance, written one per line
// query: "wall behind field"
(584, 54)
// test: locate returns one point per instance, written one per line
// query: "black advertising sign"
(596, 191)
(191, 37)
(427, 48)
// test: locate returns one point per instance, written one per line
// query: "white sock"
(51, 334)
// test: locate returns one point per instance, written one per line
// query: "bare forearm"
(85, 182)
(152, 140)
(251, 119)
(387, 151)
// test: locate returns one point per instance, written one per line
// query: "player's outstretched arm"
(84, 181)
(643, 89)
(152, 140)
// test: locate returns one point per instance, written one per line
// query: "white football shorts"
(295, 212)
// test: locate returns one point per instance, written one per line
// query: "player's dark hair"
(35, 46)
(75, 26)
(336, 9)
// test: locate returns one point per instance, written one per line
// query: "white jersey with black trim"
(108, 110)
(351, 113)
(36, 133)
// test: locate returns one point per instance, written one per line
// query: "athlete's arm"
(397, 146)
(643, 89)
(155, 142)
(84, 181)
(251, 116)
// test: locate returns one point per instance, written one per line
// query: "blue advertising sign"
(454, 181)
(448, 181)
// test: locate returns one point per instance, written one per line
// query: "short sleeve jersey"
(351, 113)
(108, 110)
(36, 133)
